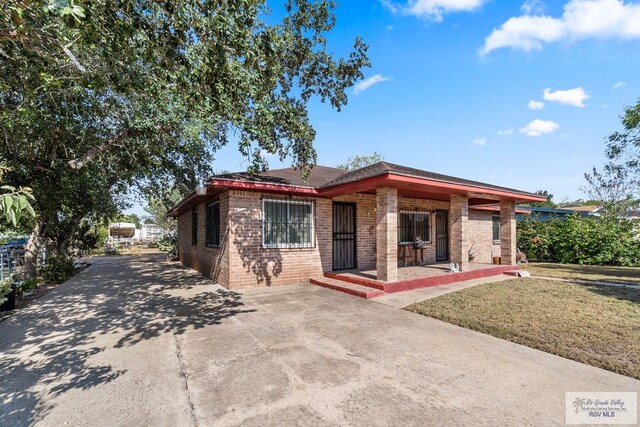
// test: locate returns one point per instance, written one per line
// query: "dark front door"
(344, 236)
(442, 236)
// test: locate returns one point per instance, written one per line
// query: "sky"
(519, 94)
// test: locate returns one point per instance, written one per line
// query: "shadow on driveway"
(45, 348)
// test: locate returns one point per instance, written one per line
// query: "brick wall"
(211, 261)
(241, 261)
(480, 230)
(251, 264)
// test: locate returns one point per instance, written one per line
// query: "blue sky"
(452, 84)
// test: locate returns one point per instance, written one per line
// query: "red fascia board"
(261, 186)
(395, 179)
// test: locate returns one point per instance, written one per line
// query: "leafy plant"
(169, 244)
(605, 240)
(57, 269)
(6, 287)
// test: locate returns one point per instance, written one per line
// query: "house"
(274, 228)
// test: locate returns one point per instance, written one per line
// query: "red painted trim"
(260, 186)
(447, 187)
(445, 279)
(356, 280)
(347, 290)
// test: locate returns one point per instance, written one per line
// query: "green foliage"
(99, 96)
(592, 240)
(358, 161)
(57, 269)
(14, 201)
(549, 203)
(27, 285)
(158, 206)
(6, 287)
(169, 244)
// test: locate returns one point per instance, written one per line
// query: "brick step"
(349, 288)
(370, 283)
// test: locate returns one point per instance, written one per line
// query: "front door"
(344, 236)
(442, 236)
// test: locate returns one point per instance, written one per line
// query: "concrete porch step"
(346, 287)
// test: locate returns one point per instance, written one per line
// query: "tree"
(14, 201)
(157, 208)
(613, 188)
(623, 148)
(98, 97)
(358, 161)
(549, 203)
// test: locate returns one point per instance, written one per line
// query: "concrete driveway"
(141, 342)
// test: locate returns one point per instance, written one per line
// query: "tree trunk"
(33, 246)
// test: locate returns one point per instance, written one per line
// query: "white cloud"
(619, 84)
(389, 27)
(433, 9)
(536, 105)
(506, 132)
(575, 96)
(479, 141)
(367, 83)
(532, 7)
(539, 127)
(580, 19)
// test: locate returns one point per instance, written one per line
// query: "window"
(194, 226)
(213, 224)
(412, 224)
(287, 224)
(496, 227)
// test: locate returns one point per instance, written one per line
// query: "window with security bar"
(496, 227)
(287, 224)
(413, 225)
(213, 224)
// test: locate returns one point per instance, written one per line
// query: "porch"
(364, 283)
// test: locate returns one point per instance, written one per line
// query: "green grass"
(585, 272)
(598, 325)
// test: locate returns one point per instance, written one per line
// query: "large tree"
(97, 96)
(617, 186)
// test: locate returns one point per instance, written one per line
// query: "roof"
(318, 177)
(325, 181)
(583, 208)
(382, 168)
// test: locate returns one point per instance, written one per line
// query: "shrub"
(57, 269)
(5, 288)
(589, 240)
(169, 244)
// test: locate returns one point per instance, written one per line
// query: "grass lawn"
(585, 272)
(593, 324)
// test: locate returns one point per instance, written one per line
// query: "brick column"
(387, 233)
(459, 234)
(508, 232)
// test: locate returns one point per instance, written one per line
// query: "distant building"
(544, 214)
(151, 233)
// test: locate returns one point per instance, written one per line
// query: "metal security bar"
(413, 224)
(287, 223)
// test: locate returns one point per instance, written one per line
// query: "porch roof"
(330, 182)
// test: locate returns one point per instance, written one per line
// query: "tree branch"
(94, 152)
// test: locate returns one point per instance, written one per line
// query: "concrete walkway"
(140, 342)
(406, 298)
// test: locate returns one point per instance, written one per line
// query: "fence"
(12, 259)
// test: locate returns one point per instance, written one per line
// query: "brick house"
(274, 228)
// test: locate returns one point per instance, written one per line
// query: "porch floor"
(419, 271)
(410, 277)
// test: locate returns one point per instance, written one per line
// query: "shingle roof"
(319, 176)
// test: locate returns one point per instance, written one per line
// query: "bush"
(57, 269)
(581, 240)
(5, 288)
(169, 244)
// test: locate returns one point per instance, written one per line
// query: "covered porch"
(392, 186)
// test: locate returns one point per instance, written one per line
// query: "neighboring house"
(544, 214)
(274, 228)
(151, 233)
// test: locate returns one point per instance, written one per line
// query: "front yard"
(598, 325)
(584, 272)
